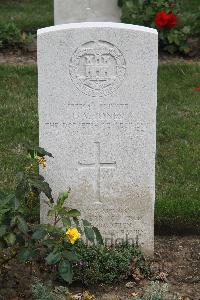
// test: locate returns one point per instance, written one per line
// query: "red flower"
(172, 20)
(161, 19)
(197, 89)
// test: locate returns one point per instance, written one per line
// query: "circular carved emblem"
(97, 68)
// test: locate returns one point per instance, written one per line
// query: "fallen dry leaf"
(135, 294)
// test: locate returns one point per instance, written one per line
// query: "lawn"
(30, 15)
(189, 5)
(18, 119)
(178, 139)
(178, 144)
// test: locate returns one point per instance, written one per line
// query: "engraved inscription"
(87, 127)
(97, 68)
(97, 165)
(130, 227)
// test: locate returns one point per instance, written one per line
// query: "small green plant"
(100, 264)
(174, 27)
(11, 37)
(41, 291)
(10, 34)
(58, 244)
(157, 291)
(55, 243)
(14, 230)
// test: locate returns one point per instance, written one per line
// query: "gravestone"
(70, 11)
(97, 116)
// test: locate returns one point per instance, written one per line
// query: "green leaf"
(86, 223)
(69, 255)
(61, 198)
(39, 233)
(16, 203)
(51, 229)
(11, 200)
(89, 233)
(53, 258)
(66, 222)
(4, 211)
(10, 238)
(25, 254)
(65, 271)
(42, 186)
(73, 213)
(49, 243)
(51, 212)
(98, 235)
(3, 229)
(22, 225)
(7, 201)
(76, 221)
(62, 212)
(22, 188)
(2, 196)
(37, 151)
(13, 221)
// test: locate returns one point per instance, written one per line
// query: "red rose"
(161, 19)
(171, 20)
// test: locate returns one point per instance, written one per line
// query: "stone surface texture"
(70, 11)
(97, 116)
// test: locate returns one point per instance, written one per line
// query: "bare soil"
(19, 57)
(176, 261)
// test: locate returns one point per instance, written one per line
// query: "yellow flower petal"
(73, 235)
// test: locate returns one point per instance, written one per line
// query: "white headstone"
(70, 11)
(97, 115)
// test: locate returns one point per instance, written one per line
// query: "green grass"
(29, 15)
(178, 138)
(18, 120)
(189, 5)
(178, 143)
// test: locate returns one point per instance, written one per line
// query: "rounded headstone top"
(94, 25)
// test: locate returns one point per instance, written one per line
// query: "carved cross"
(98, 165)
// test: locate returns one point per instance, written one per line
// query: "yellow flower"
(42, 161)
(72, 235)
